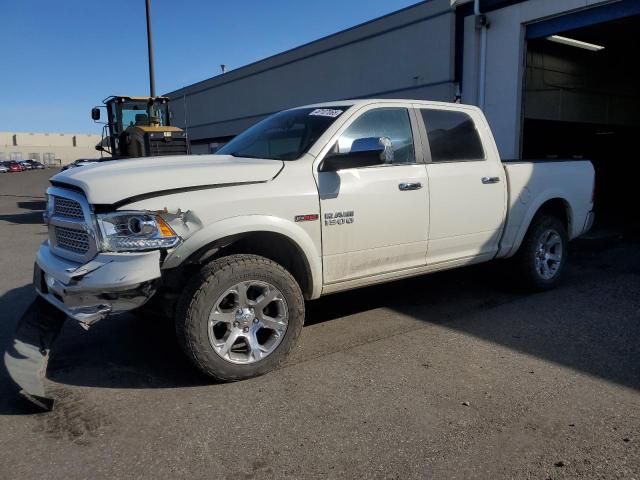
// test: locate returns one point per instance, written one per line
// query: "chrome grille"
(66, 207)
(75, 241)
(71, 229)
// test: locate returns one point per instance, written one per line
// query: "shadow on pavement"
(123, 351)
(34, 217)
(12, 305)
(38, 205)
(591, 324)
(28, 218)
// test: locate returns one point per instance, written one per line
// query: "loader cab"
(125, 112)
(139, 127)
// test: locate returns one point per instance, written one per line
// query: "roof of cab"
(368, 101)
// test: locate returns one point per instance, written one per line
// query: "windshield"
(284, 136)
(139, 113)
(130, 113)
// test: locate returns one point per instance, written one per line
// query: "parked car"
(310, 201)
(3, 169)
(26, 165)
(81, 162)
(33, 165)
(15, 166)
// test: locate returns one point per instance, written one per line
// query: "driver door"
(375, 218)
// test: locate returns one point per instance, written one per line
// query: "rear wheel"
(543, 254)
(240, 317)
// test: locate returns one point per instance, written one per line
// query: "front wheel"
(541, 259)
(240, 317)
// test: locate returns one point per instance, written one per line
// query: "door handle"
(404, 187)
(488, 180)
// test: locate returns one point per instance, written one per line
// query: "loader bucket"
(27, 356)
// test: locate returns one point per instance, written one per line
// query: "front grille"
(75, 241)
(66, 207)
(71, 229)
(160, 148)
(174, 144)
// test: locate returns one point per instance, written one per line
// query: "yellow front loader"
(139, 127)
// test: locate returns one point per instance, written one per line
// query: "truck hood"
(119, 181)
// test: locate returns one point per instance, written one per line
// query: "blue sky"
(63, 57)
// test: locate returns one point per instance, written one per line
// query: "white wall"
(66, 147)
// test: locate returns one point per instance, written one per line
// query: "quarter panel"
(531, 184)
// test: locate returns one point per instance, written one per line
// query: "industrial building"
(555, 78)
(54, 149)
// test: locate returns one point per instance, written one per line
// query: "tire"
(531, 258)
(227, 300)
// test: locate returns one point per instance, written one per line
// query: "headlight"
(127, 231)
(49, 211)
(50, 201)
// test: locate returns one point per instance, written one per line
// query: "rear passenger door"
(467, 187)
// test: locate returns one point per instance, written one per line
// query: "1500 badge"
(338, 218)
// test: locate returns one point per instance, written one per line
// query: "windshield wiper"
(237, 155)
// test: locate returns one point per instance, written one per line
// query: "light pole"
(152, 80)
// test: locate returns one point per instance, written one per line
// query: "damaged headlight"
(127, 231)
(48, 213)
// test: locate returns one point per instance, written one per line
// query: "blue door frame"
(583, 18)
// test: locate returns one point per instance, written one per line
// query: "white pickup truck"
(310, 201)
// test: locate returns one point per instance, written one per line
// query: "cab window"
(452, 136)
(392, 123)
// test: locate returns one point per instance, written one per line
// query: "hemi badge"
(307, 218)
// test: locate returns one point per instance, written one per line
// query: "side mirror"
(95, 114)
(365, 152)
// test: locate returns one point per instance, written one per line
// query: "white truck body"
(454, 220)
(418, 211)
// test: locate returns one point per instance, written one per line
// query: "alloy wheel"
(248, 322)
(548, 254)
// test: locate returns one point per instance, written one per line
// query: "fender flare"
(249, 224)
(533, 209)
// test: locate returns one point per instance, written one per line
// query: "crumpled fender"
(253, 223)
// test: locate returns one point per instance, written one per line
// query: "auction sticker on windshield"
(326, 112)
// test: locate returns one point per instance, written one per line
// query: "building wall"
(505, 64)
(408, 54)
(56, 148)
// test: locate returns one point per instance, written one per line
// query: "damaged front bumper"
(110, 283)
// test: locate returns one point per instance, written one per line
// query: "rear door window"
(452, 136)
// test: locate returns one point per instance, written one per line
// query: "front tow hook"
(28, 354)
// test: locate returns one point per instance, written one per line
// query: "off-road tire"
(199, 296)
(524, 262)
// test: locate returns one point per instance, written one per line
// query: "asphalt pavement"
(451, 375)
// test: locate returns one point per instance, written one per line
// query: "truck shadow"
(590, 324)
(31, 217)
(12, 305)
(122, 352)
